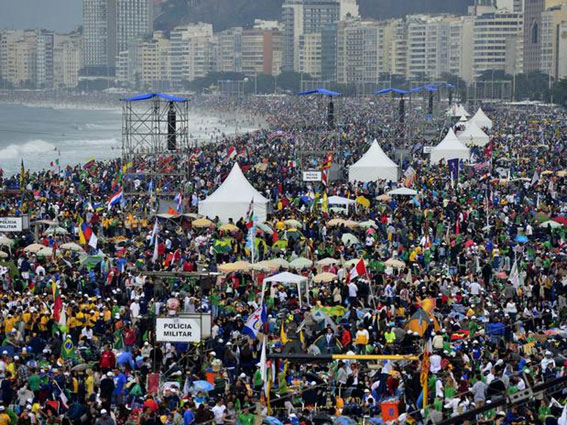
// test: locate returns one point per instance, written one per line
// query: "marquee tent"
(287, 278)
(232, 199)
(482, 120)
(374, 165)
(457, 111)
(473, 135)
(449, 148)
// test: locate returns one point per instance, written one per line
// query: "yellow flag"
(82, 239)
(325, 203)
(283, 335)
(301, 338)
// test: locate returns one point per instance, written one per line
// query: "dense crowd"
(468, 276)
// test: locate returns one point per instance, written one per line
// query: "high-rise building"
(498, 40)
(532, 34)
(304, 17)
(310, 54)
(67, 60)
(134, 20)
(348, 9)
(553, 56)
(193, 52)
(329, 52)
(229, 50)
(260, 52)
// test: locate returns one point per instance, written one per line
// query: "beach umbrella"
(3, 254)
(45, 252)
(344, 420)
(34, 247)
(420, 321)
(351, 224)
(202, 386)
(260, 267)
(56, 231)
(71, 246)
(238, 266)
(265, 228)
(279, 262)
(550, 223)
(293, 223)
(202, 222)
(4, 241)
(521, 238)
(301, 263)
(363, 201)
(324, 277)
(367, 224)
(383, 198)
(228, 227)
(267, 265)
(349, 239)
(394, 262)
(270, 420)
(335, 222)
(541, 217)
(561, 173)
(327, 262)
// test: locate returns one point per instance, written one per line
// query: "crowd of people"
(466, 279)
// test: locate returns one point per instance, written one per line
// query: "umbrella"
(279, 262)
(335, 222)
(541, 217)
(56, 231)
(350, 224)
(202, 222)
(384, 197)
(521, 238)
(270, 420)
(394, 262)
(80, 367)
(238, 266)
(71, 246)
(34, 247)
(45, 252)
(324, 277)
(353, 262)
(349, 239)
(367, 224)
(327, 262)
(344, 420)
(4, 241)
(550, 223)
(90, 260)
(261, 267)
(3, 254)
(403, 191)
(265, 228)
(420, 321)
(203, 386)
(228, 227)
(281, 244)
(301, 263)
(293, 223)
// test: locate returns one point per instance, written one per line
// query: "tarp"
(473, 135)
(482, 120)
(319, 91)
(374, 165)
(147, 96)
(449, 148)
(232, 199)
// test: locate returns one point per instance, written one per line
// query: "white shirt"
(475, 288)
(135, 309)
(435, 363)
(218, 411)
(352, 289)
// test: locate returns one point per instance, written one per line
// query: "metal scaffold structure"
(155, 145)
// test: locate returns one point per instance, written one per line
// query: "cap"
(109, 374)
(103, 411)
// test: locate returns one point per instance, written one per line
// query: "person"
(105, 418)
(188, 416)
(219, 411)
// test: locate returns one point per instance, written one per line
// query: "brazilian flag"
(67, 348)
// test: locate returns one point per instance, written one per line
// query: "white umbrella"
(324, 277)
(550, 223)
(368, 224)
(3, 254)
(349, 239)
(34, 247)
(280, 262)
(45, 252)
(56, 231)
(404, 191)
(71, 246)
(327, 262)
(4, 241)
(301, 263)
(394, 262)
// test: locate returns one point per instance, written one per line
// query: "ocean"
(40, 135)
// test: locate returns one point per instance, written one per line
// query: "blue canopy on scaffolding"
(147, 96)
(319, 91)
(392, 90)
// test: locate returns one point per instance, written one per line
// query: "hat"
(109, 374)
(103, 411)
(242, 375)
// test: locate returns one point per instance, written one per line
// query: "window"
(534, 32)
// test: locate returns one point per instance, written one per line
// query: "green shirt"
(35, 382)
(245, 419)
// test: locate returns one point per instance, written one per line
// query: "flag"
(82, 238)
(179, 202)
(514, 276)
(481, 165)
(93, 240)
(255, 322)
(195, 155)
(327, 161)
(409, 175)
(127, 166)
(154, 232)
(155, 254)
(116, 198)
(264, 365)
(250, 214)
(324, 177)
(535, 178)
(89, 163)
(67, 348)
(22, 175)
(416, 201)
(57, 301)
(151, 187)
(302, 339)
(325, 203)
(358, 270)
(85, 232)
(283, 336)
(454, 169)
(563, 418)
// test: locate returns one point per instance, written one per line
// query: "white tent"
(449, 148)
(287, 278)
(232, 199)
(473, 135)
(457, 111)
(339, 200)
(403, 191)
(482, 120)
(374, 165)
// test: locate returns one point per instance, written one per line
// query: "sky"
(57, 15)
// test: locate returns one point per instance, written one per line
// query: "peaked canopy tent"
(287, 278)
(232, 199)
(449, 148)
(331, 105)
(473, 135)
(458, 111)
(481, 119)
(374, 165)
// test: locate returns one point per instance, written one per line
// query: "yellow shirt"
(9, 324)
(89, 382)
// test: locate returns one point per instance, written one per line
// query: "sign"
(204, 319)
(427, 149)
(11, 224)
(178, 329)
(312, 176)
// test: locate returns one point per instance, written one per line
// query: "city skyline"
(55, 15)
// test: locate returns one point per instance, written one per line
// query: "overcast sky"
(58, 15)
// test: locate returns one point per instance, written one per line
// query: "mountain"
(229, 13)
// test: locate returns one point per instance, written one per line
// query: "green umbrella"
(301, 263)
(281, 244)
(349, 239)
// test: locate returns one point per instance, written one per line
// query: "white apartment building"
(67, 60)
(310, 54)
(229, 50)
(134, 20)
(17, 57)
(192, 52)
(553, 37)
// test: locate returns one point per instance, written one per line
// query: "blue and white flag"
(255, 322)
(154, 232)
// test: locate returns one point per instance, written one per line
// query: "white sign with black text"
(178, 329)
(312, 176)
(11, 224)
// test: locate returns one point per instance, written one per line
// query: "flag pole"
(370, 285)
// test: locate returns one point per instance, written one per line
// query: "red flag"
(358, 270)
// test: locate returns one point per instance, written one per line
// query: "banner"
(178, 330)
(11, 224)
